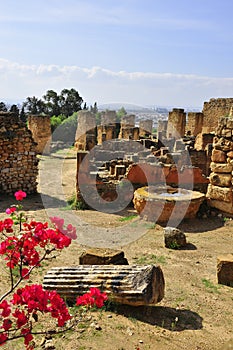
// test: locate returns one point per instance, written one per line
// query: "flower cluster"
(23, 252)
(32, 299)
(92, 299)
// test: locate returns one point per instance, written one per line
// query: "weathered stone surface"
(228, 345)
(160, 203)
(18, 156)
(132, 284)
(223, 144)
(223, 180)
(213, 110)
(103, 256)
(174, 238)
(230, 154)
(221, 167)
(226, 207)
(218, 156)
(225, 269)
(220, 193)
(40, 126)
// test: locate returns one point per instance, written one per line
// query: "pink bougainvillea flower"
(20, 195)
(10, 210)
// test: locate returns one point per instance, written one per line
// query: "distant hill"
(127, 107)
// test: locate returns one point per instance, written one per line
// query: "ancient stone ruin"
(180, 155)
(40, 127)
(220, 192)
(18, 161)
(127, 284)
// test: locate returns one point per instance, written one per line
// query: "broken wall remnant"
(40, 126)
(86, 133)
(107, 130)
(213, 110)
(194, 123)
(18, 160)
(128, 130)
(145, 128)
(176, 123)
(220, 192)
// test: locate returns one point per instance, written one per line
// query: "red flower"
(6, 308)
(10, 210)
(25, 273)
(7, 324)
(3, 338)
(20, 195)
(21, 318)
(93, 298)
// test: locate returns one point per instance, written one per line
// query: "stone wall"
(220, 191)
(213, 110)
(145, 128)
(127, 130)
(176, 123)
(18, 161)
(194, 123)
(40, 127)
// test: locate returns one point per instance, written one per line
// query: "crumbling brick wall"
(18, 160)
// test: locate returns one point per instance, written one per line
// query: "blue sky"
(151, 52)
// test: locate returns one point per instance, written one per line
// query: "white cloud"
(19, 81)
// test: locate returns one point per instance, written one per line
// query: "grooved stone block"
(126, 284)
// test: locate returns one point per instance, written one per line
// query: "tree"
(34, 105)
(22, 115)
(70, 101)
(3, 107)
(14, 109)
(52, 103)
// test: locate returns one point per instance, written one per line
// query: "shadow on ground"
(36, 201)
(165, 317)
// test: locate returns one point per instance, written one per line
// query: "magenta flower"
(20, 195)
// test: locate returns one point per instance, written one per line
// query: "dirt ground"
(195, 314)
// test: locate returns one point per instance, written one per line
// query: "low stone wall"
(18, 161)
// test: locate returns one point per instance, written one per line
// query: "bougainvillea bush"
(23, 247)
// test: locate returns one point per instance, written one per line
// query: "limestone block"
(226, 132)
(223, 144)
(230, 154)
(221, 167)
(103, 256)
(226, 207)
(222, 180)
(220, 193)
(218, 156)
(229, 123)
(225, 269)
